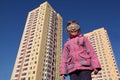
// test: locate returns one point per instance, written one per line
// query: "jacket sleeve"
(94, 58)
(63, 68)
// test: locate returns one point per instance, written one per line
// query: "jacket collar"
(79, 35)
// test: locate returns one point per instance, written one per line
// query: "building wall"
(59, 48)
(40, 48)
(101, 43)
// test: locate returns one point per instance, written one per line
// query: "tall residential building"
(40, 49)
(101, 43)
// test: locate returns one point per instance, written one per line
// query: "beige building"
(101, 43)
(40, 48)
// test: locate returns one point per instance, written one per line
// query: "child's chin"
(74, 35)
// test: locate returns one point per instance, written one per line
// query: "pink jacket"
(78, 54)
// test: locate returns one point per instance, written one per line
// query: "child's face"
(73, 29)
(73, 32)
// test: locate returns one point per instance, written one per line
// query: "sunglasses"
(73, 27)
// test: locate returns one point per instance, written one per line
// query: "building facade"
(40, 49)
(101, 43)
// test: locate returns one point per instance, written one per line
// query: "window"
(35, 62)
(23, 75)
(16, 75)
(19, 61)
(22, 78)
(26, 64)
(26, 60)
(36, 53)
(18, 66)
(27, 55)
(20, 57)
(17, 70)
(28, 78)
(33, 72)
(24, 69)
(29, 47)
(28, 51)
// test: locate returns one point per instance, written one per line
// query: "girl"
(78, 58)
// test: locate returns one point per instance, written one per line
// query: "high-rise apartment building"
(101, 43)
(40, 48)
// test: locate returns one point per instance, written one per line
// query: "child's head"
(73, 28)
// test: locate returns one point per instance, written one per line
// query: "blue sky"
(91, 14)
